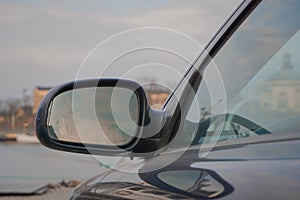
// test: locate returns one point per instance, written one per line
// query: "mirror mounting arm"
(151, 133)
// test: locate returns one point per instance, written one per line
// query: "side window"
(259, 68)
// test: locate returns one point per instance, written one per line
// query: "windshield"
(252, 86)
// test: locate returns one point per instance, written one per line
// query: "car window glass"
(260, 74)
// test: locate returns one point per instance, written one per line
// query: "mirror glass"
(96, 115)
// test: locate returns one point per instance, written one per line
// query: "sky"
(45, 43)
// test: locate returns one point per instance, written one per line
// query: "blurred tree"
(27, 99)
(13, 105)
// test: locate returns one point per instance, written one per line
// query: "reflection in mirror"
(102, 116)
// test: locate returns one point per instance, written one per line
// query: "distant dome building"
(283, 88)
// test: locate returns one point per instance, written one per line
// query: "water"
(33, 163)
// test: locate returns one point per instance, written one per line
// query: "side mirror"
(102, 117)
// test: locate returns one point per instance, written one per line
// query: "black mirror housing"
(45, 130)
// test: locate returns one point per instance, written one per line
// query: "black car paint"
(239, 176)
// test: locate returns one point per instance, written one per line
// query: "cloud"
(52, 55)
(192, 20)
(38, 36)
(198, 19)
(14, 14)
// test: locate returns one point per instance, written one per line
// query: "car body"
(254, 155)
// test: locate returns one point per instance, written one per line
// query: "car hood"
(248, 176)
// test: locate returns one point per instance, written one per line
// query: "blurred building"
(38, 94)
(157, 95)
